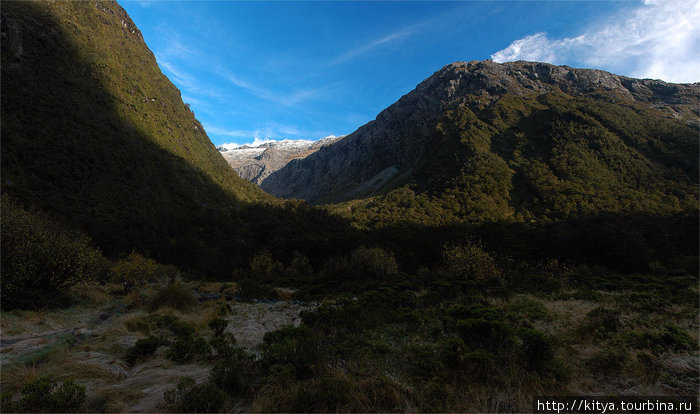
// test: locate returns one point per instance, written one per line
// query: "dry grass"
(175, 295)
(90, 294)
(14, 377)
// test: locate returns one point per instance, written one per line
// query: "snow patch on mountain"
(256, 160)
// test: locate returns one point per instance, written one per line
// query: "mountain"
(481, 141)
(94, 134)
(255, 163)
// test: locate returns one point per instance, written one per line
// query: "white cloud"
(660, 39)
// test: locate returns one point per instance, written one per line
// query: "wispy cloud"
(187, 81)
(286, 99)
(271, 132)
(377, 43)
(660, 39)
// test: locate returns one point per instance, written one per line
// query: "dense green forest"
(542, 244)
(544, 158)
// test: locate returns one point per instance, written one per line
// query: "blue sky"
(305, 70)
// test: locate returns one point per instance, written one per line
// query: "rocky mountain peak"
(488, 80)
(386, 152)
(256, 162)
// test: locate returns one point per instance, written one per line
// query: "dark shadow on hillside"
(620, 242)
(66, 149)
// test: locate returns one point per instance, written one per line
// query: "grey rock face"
(255, 163)
(400, 133)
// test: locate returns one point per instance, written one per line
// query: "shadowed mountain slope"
(95, 134)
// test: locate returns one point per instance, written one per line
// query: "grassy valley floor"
(415, 343)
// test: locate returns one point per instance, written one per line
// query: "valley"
(502, 231)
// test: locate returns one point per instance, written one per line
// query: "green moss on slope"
(94, 132)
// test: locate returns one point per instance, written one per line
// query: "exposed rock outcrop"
(255, 163)
(399, 135)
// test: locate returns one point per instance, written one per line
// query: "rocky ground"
(88, 343)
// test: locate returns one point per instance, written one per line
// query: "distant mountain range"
(256, 162)
(482, 141)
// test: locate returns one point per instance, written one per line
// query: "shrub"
(298, 346)
(175, 295)
(189, 397)
(607, 362)
(669, 337)
(321, 395)
(249, 288)
(188, 348)
(236, 374)
(180, 329)
(529, 308)
(471, 262)
(218, 326)
(223, 345)
(373, 263)
(423, 361)
(44, 395)
(300, 268)
(364, 264)
(600, 322)
(41, 260)
(537, 350)
(133, 271)
(484, 333)
(264, 268)
(142, 349)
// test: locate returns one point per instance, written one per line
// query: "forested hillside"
(483, 142)
(501, 232)
(95, 135)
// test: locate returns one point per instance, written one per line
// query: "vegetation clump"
(41, 260)
(189, 397)
(45, 396)
(175, 295)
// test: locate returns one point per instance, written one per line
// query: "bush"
(373, 263)
(142, 349)
(135, 270)
(300, 268)
(41, 261)
(188, 348)
(45, 396)
(607, 362)
(249, 289)
(601, 322)
(529, 308)
(218, 326)
(175, 295)
(537, 350)
(471, 262)
(363, 264)
(189, 397)
(423, 361)
(223, 345)
(180, 329)
(484, 333)
(321, 395)
(237, 373)
(298, 346)
(264, 268)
